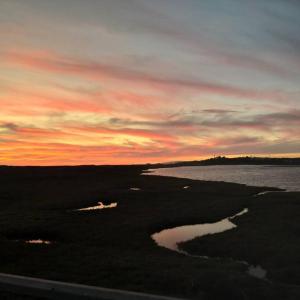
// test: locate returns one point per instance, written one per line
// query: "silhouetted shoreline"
(243, 160)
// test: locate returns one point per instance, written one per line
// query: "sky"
(143, 81)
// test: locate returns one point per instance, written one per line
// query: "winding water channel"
(170, 238)
(283, 177)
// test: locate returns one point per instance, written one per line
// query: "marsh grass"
(113, 247)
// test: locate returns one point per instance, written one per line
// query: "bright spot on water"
(38, 241)
(257, 271)
(99, 206)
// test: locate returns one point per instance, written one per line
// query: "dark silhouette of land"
(243, 160)
(113, 248)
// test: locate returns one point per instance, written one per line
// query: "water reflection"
(266, 192)
(38, 241)
(287, 178)
(257, 271)
(99, 206)
(170, 238)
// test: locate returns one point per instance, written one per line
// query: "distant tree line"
(242, 160)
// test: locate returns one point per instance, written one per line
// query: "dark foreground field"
(113, 248)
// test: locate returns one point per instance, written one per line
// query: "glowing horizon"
(136, 81)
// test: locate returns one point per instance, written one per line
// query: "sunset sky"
(136, 81)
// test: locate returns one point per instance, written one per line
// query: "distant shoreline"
(244, 160)
(219, 160)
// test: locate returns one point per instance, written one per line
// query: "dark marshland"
(112, 246)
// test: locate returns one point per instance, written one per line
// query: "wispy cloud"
(49, 62)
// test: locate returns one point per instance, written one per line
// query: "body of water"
(99, 206)
(171, 237)
(284, 177)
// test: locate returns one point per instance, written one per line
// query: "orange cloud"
(126, 121)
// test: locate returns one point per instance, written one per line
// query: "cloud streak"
(93, 70)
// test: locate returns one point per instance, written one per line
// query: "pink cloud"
(50, 62)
